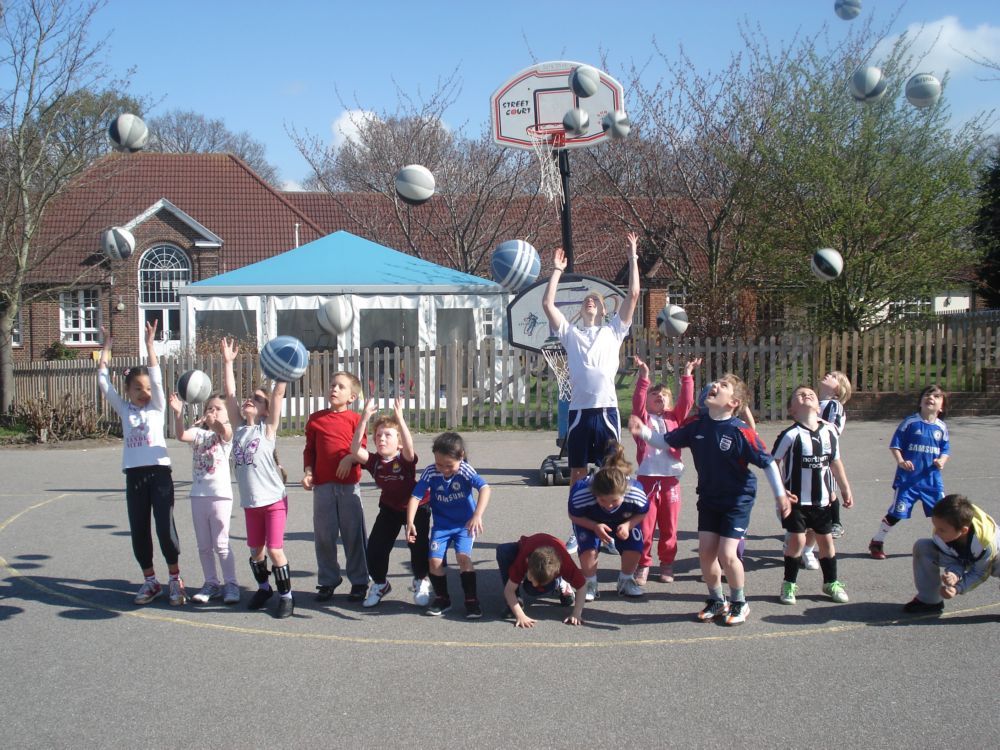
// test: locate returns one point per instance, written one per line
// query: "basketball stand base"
(554, 470)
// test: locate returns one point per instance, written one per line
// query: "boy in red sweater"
(334, 478)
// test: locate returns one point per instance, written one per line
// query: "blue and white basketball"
(847, 9)
(515, 265)
(194, 387)
(868, 84)
(284, 359)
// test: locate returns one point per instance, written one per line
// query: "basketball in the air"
(336, 315)
(128, 133)
(827, 264)
(867, 84)
(847, 9)
(584, 80)
(923, 90)
(284, 358)
(117, 243)
(616, 124)
(414, 184)
(515, 265)
(576, 122)
(672, 320)
(194, 387)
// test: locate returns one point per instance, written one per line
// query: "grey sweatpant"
(928, 564)
(337, 512)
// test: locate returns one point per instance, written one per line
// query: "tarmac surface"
(85, 668)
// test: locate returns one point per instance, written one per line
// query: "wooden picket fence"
(474, 385)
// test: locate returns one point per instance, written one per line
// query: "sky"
(269, 67)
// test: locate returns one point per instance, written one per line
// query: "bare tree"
(49, 133)
(185, 132)
(484, 194)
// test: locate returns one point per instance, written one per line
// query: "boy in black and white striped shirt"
(809, 454)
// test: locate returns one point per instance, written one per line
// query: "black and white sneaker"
(473, 611)
(439, 606)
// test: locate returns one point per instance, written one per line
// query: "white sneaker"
(208, 591)
(592, 592)
(178, 594)
(375, 593)
(231, 593)
(571, 544)
(628, 587)
(809, 560)
(421, 592)
(147, 592)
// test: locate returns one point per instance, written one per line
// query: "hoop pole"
(564, 211)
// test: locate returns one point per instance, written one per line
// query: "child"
(334, 477)
(261, 483)
(965, 544)
(809, 453)
(921, 448)
(393, 466)
(211, 441)
(149, 485)
(609, 507)
(660, 469)
(834, 391)
(537, 565)
(458, 519)
(723, 447)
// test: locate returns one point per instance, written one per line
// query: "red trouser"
(664, 495)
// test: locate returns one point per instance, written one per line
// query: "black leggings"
(386, 528)
(150, 490)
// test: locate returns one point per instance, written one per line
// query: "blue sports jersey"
(920, 442)
(452, 503)
(723, 451)
(583, 503)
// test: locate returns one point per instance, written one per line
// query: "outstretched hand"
(559, 260)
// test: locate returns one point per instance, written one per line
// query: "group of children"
(444, 507)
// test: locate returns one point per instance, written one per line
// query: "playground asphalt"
(85, 668)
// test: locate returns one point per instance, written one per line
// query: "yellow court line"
(156, 617)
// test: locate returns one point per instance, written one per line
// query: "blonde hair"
(351, 378)
(614, 476)
(740, 391)
(844, 389)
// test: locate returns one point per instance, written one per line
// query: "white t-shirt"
(142, 429)
(210, 465)
(593, 355)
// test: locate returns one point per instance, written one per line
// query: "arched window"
(162, 270)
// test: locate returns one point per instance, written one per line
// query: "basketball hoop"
(555, 355)
(546, 139)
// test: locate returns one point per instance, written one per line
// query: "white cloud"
(941, 46)
(345, 127)
(291, 186)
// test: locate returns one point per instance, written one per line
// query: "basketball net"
(555, 355)
(546, 139)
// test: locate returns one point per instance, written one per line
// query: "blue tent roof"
(343, 263)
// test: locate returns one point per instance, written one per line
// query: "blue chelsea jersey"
(452, 503)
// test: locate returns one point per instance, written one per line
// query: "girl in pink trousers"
(660, 469)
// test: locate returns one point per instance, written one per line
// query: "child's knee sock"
(469, 584)
(440, 584)
(260, 572)
(887, 523)
(792, 568)
(283, 580)
(829, 566)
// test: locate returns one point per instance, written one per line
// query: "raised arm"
(632, 298)
(555, 317)
(274, 408)
(230, 349)
(405, 438)
(151, 359)
(359, 452)
(104, 379)
(685, 394)
(177, 406)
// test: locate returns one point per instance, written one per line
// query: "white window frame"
(162, 270)
(15, 335)
(80, 317)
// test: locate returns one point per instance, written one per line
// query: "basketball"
(576, 122)
(117, 243)
(672, 320)
(867, 84)
(194, 387)
(847, 9)
(827, 264)
(128, 133)
(923, 90)
(515, 265)
(584, 80)
(414, 184)
(336, 316)
(284, 359)
(616, 124)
